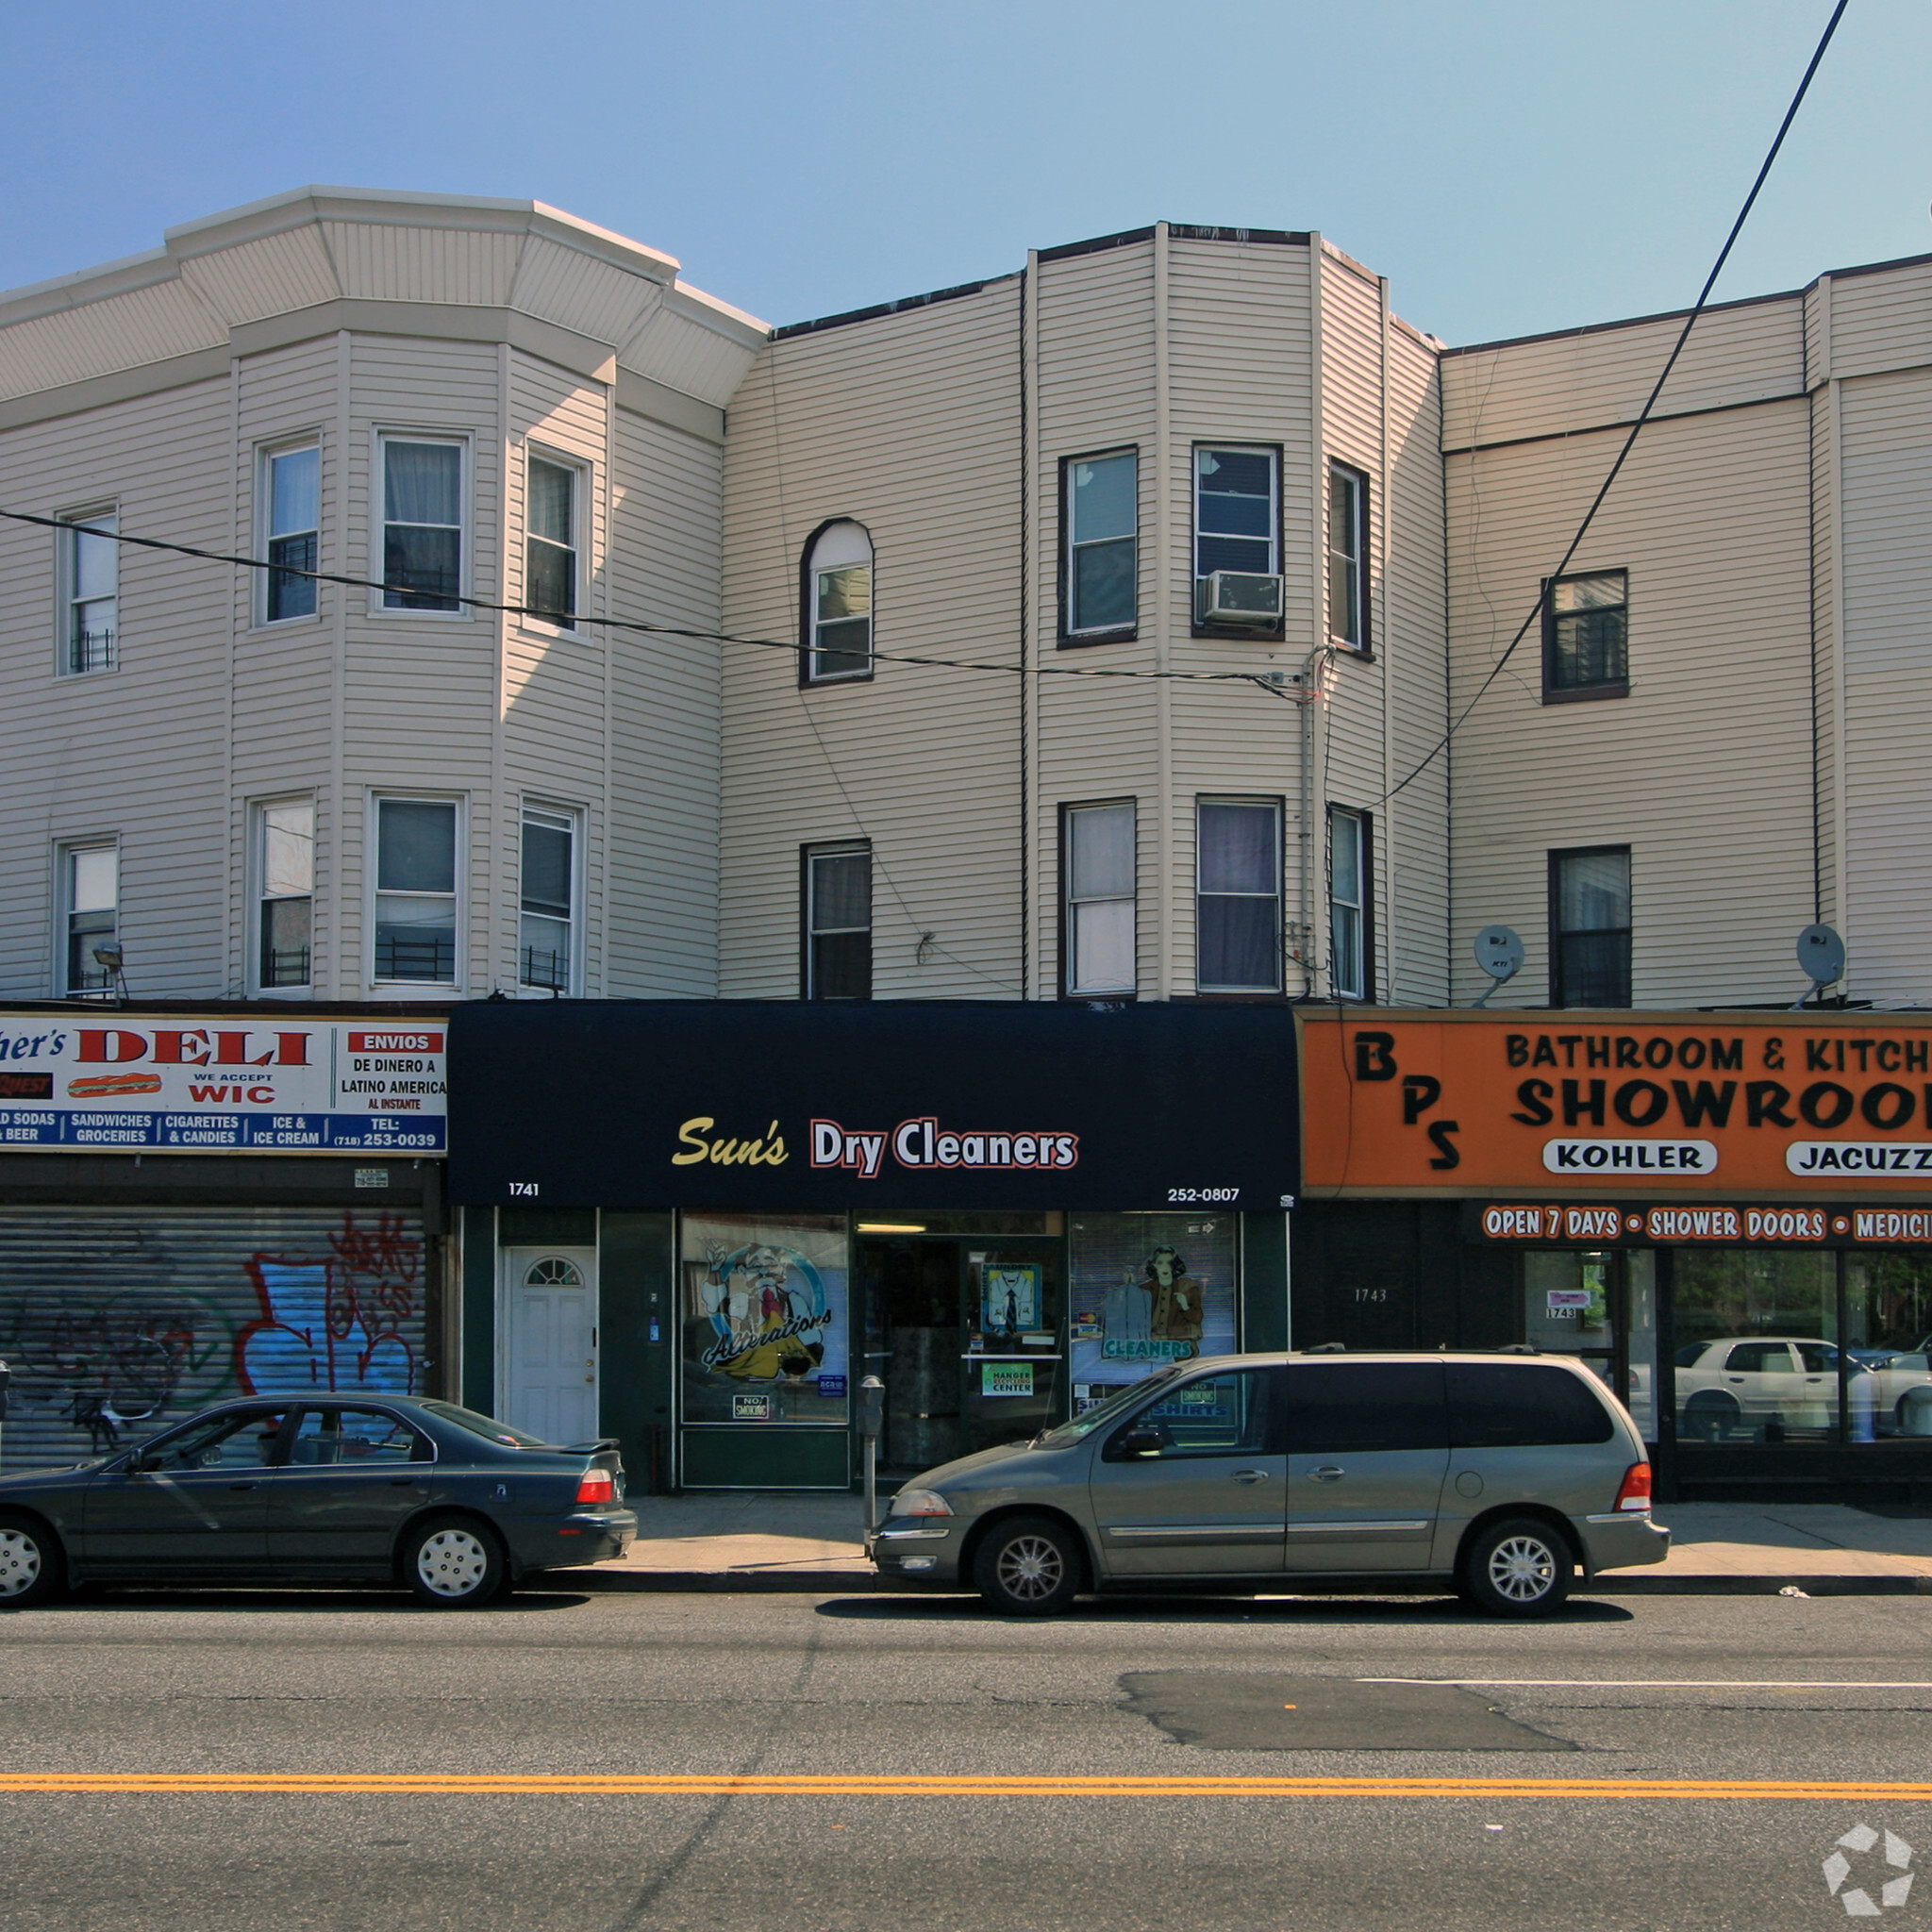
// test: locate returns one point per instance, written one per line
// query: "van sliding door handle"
(1251, 1475)
(1327, 1474)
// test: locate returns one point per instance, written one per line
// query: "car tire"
(33, 1566)
(454, 1562)
(1518, 1567)
(1710, 1419)
(1029, 1566)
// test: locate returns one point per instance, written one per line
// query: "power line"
(1259, 678)
(1636, 429)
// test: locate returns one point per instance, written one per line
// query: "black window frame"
(1363, 646)
(1366, 819)
(1555, 693)
(808, 964)
(1198, 627)
(809, 678)
(1068, 638)
(1557, 934)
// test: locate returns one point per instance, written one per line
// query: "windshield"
(1103, 1412)
(486, 1426)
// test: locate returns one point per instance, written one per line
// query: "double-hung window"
(90, 591)
(1238, 896)
(1103, 523)
(1099, 871)
(1237, 516)
(416, 889)
(837, 922)
(285, 861)
(1348, 556)
(550, 543)
(1586, 635)
(837, 617)
(292, 492)
(547, 937)
(1350, 968)
(421, 522)
(1589, 924)
(90, 913)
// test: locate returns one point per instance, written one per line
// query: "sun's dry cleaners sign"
(218, 1085)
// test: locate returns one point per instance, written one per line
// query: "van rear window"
(1521, 1406)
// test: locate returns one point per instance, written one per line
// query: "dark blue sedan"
(318, 1489)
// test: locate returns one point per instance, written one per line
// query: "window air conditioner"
(1239, 596)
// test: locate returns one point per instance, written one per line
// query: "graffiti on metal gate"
(350, 1318)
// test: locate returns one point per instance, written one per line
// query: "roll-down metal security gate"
(116, 1321)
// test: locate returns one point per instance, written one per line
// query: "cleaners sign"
(1792, 1104)
(111, 1082)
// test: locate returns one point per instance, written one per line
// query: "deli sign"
(1790, 1103)
(107, 1081)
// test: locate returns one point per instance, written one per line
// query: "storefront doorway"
(550, 1325)
(1600, 1306)
(968, 1334)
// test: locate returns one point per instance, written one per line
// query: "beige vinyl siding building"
(490, 334)
(1764, 768)
(949, 429)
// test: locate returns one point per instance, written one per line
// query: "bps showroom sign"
(113, 1081)
(1786, 1103)
(788, 1106)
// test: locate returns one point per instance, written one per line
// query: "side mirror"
(1141, 1442)
(142, 1465)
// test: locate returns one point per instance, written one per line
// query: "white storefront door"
(549, 1334)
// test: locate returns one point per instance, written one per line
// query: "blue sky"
(1511, 165)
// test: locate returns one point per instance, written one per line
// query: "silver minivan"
(1500, 1476)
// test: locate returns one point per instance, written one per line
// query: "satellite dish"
(1821, 954)
(1499, 952)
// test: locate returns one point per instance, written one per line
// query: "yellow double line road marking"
(757, 1785)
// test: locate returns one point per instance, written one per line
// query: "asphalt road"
(866, 1692)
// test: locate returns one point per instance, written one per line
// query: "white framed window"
(1238, 895)
(1349, 926)
(417, 924)
(291, 484)
(1348, 556)
(90, 892)
(89, 591)
(285, 893)
(424, 520)
(1102, 517)
(837, 922)
(546, 937)
(1100, 908)
(1236, 511)
(837, 606)
(552, 494)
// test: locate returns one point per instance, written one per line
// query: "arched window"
(838, 604)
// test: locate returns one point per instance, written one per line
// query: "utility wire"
(1536, 609)
(663, 630)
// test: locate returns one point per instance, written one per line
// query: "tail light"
(1634, 1494)
(600, 1485)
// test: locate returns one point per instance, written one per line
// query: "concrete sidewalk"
(754, 1540)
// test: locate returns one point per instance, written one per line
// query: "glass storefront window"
(765, 1318)
(1145, 1290)
(1889, 1334)
(1601, 1308)
(1758, 1357)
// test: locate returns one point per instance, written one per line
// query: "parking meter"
(872, 1416)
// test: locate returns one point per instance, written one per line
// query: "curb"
(846, 1582)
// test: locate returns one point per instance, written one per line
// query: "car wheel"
(1029, 1566)
(1710, 1419)
(32, 1567)
(454, 1563)
(1520, 1567)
